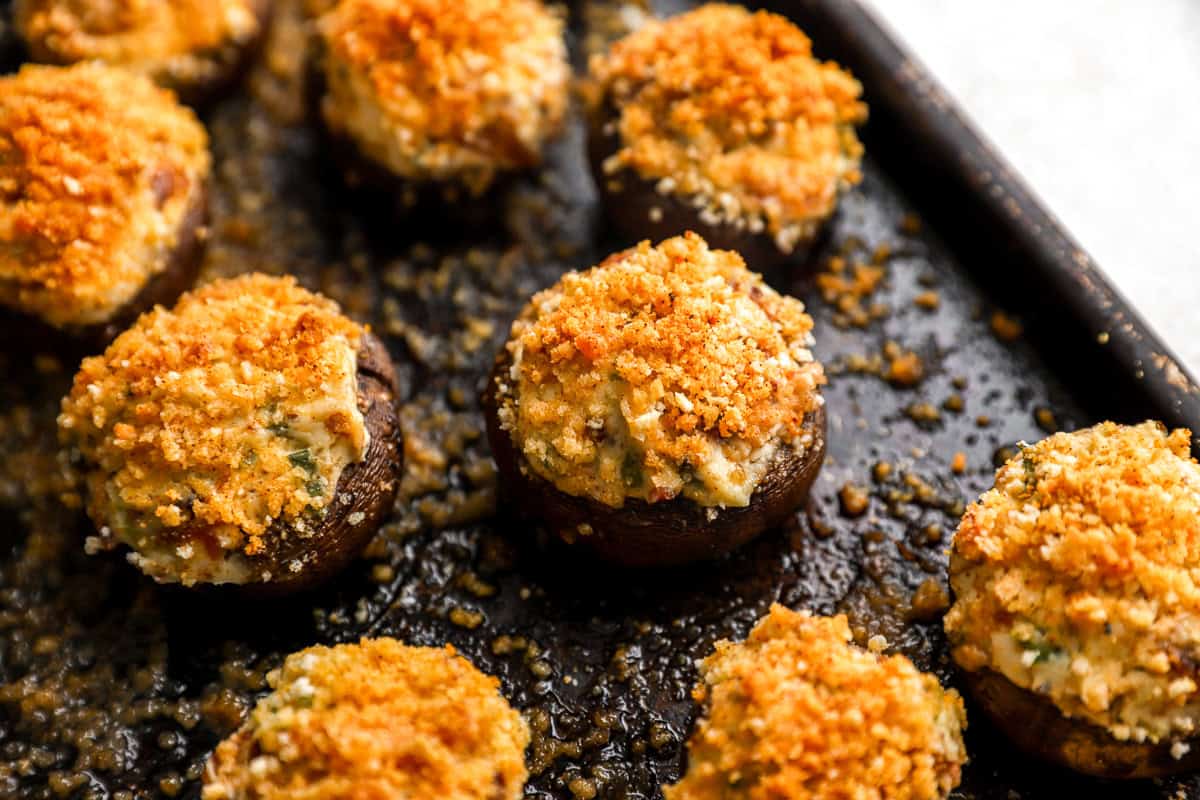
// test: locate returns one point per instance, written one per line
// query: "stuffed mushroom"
(721, 121)
(195, 47)
(103, 181)
(797, 712)
(438, 100)
(659, 408)
(377, 719)
(1077, 615)
(247, 436)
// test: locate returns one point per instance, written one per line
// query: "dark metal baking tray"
(602, 662)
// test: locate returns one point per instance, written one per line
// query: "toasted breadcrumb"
(796, 712)
(730, 106)
(375, 720)
(1006, 327)
(211, 420)
(848, 288)
(437, 91)
(1075, 577)
(904, 367)
(928, 300)
(174, 42)
(663, 370)
(854, 500)
(98, 169)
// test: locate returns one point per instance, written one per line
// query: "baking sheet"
(111, 686)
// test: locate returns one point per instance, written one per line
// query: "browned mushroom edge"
(641, 534)
(637, 211)
(1038, 728)
(365, 490)
(232, 61)
(179, 275)
(439, 208)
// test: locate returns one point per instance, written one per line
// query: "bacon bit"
(849, 293)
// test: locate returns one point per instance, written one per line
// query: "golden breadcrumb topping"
(730, 109)
(664, 370)
(98, 169)
(1077, 577)
(378, 720)
(436, 90)
(169, 40)
(796, 712)
(204, 424)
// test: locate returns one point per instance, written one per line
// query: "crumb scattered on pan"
(854, 500)
(904, 367)
(848, 287)
(923, 412)
(1006, 327)
(895, 364)
(789, 712)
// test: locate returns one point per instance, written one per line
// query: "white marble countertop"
(1095, 103)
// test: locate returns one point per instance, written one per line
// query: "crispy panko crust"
(174, 42)
(797, 712)
(184, 420)
(445, 91)
(685, 345)
(98, 170)
(1076, 578)
(729, 108)
(377, 720)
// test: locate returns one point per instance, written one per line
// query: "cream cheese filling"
(726, 475)
(306, 435)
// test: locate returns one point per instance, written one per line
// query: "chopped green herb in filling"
(304, 460)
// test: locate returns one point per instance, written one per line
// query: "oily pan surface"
(111, 686)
